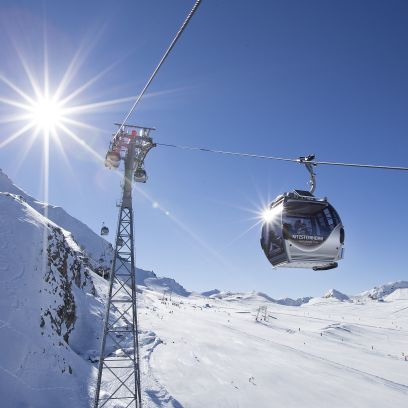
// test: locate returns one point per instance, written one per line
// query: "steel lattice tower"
(121, 370)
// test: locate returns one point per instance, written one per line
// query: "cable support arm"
(309, 163)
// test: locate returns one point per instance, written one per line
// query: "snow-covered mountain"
(382, 291)
(53, 304)
(164, 285)
(209, 293)
(50, 311)
(335, 294)
(294, 302)
(196, 349)
(97, 252)
(227, 295)
(95, 246)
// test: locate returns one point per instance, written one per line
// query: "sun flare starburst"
(47, 114)
(270, 214)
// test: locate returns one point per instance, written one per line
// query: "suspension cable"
(299, 160)
(165, 55)
(203, 149)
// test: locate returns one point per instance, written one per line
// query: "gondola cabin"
(302, 231)
(140, 175)
(104, 231)
(112, 159)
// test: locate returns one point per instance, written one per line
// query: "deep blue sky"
(283, 78)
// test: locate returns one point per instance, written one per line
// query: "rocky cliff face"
(64, 271)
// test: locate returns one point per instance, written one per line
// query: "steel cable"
(165, 55)
(299, 160)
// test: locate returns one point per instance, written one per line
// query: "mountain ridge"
(98, 252)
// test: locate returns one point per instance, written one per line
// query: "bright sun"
(47, 114)
(51, 112)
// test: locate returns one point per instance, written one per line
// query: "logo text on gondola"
(301, 237)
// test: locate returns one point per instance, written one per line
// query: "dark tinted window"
(309, 223)
(303, 208)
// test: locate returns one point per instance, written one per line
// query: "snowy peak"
(244, 296)
(380, 292)
(233, 296)
(285, 301)
(6, 185)
(294, 302)
(335, 294)
(167, 285)
(210, 293)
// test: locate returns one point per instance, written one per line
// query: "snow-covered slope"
(95, 246)
(51, 312)
(165, 285)
(397, 294)
(213, 352)
(52, 306)
(98, 251)
(50, 315)
(379, 292)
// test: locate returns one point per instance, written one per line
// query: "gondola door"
(272, 239)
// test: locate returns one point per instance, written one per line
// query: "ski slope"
(328, 353)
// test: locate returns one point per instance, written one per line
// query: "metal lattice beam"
(119, 371)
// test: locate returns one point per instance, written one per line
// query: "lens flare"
(270, 213)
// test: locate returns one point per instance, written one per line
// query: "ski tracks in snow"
(384, 381)
(154, 393)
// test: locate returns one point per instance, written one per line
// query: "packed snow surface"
(213, 352)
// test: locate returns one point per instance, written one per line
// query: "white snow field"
(324, 354)
(207, 350)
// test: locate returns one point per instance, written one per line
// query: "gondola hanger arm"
(309, 163)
